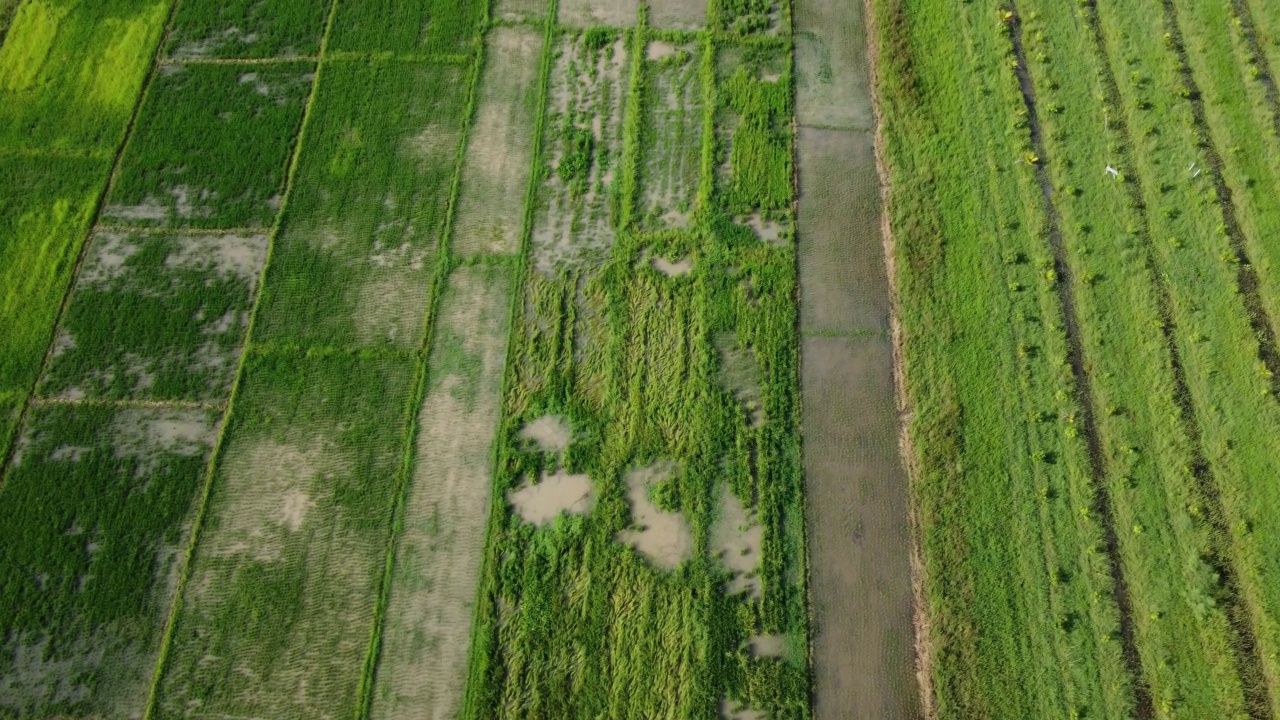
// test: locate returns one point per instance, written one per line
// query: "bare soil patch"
(428, 623)
(842, 269)
(550, 433)
(664, 538)
(554, 494)
(495, 169)
(734, 710)
(735, 540)
(683, 266)
(597, 13)
(519, 10)
(832, 75)
(767, 645)
(740, 374)
(678, 14)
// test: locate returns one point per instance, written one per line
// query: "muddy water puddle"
(663, 537)
(557, 493)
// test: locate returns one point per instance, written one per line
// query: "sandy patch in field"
(519, 10)
(664, 538)
(240, 256)
(207, 46)
(433, 593)
(556, 493)
(672, 155)
(576, 229)
(684, 266)
(735, 539)
(677, 14)
(550, 433)
(770, 231)
(63, 342)
(598, 13)
(767, 645)
(495, 169)
(102, 668)
(734, 710)
(183, 202)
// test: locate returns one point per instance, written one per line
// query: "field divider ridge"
(128, 403)
(922, 644)
(1246, 274)
(157, 230)
(166, 637)
(444, 265)
(477, 662)
(282, 60)
(56, 152)
(1143, 704)
(10, 443)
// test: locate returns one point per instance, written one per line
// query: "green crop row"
(1019, 599)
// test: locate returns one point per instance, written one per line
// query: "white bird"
(1196, 175)
(1114, 172)
(1191, 167)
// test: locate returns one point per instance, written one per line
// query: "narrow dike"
(1143, 705)
(1248, 660)
(1249, 32)
(1246, 275)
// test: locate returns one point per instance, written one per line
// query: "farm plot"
(495, 166)
(407, 26)
(597, 13)
(674, 117)
(426, 632)
(246, 29)
(519, 11)
(629, 463)
(94, 517)
(753, 119)
(855, 486)
(356, 254)
(279, 606)
(833, 86)
(46, 205)
(156, 316)
(211, 146)
(574, 216)
(70, 72)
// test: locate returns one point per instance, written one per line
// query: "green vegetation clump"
(355, 258)
(760, 142)
(247, 28)
(211, 146)
(575, 163)
(92, 521)
(408, 26)
(70, 72)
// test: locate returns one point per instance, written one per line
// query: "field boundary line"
(921, 623)
(283, 60)
(152, 230)
(345, 56)
(1246, 274)
(171, 621)
(445, 264)
(128, 403)
(1144, 706)
(85, 244)
(56, 152)
(1249, 33)
(477, 662)
(278, 349)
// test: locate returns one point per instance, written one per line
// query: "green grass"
(246, 28)
(284, 578)
(419, 26)
(157, 317)
(211, 146)
(46, 205)
(92, 518)
(356, 254)
(758, 171)
(70, 72)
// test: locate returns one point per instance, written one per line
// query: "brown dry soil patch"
(678, 14)
(856, 487)
(597, 13)
(554, 494)
(495, 169)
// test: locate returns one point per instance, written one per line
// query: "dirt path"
(860, 544)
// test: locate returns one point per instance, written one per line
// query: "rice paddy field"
(540, 359)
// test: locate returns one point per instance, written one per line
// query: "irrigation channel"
(856, 486)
